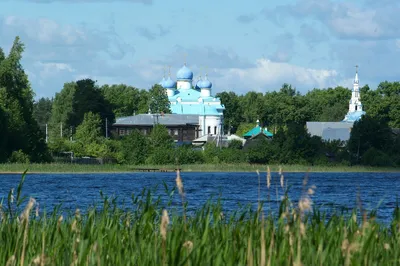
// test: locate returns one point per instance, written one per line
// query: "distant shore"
(115, 168)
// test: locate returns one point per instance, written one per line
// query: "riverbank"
(115, 168)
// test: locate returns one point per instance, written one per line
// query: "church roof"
(257, 130)
(330, 130)
(196, 109)
(353, 116)
(151, 119)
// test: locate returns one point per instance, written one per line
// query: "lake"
(334, 191)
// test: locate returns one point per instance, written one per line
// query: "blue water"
(334, 191)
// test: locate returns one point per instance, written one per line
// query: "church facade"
(340, 130)
(187, 97)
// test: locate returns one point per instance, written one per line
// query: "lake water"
(334, 191)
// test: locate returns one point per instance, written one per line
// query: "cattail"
(302, 229)
(386, 246)
(37, 210)
(268, 177)
(179, 183)
(280, 170)
(28, 208)
(164, 224)
(282, 181)
(188, 245)
(11, 261)
(305, 204)
(60, 219)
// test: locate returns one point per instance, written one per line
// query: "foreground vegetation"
(221, 167)
(156, 232)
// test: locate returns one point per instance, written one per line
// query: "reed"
(152, 232)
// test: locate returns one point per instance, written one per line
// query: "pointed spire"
(356, 77)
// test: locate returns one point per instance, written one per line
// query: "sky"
(241, 45)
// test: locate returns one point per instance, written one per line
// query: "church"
(195, 98)
(195, 113)
(340, 130)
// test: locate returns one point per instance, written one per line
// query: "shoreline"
(18, 169)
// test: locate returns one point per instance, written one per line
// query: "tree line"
(79, 119)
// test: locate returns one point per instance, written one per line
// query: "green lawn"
(240, 167)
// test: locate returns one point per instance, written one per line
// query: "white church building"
(340, 130)
(195, 98)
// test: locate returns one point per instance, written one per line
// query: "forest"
(80, 115)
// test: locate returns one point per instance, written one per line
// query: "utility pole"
(70, 129)
(61, 130)
(47, 134)
(106, 128)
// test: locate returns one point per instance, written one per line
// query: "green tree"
(135, 148)
(161, 146)
(158, 100)
(42, 112)
(369, 133)
(124, 99)
(232, 112)
(89, 139)
(16, 101)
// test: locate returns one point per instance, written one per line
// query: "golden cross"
(206, 70)
(356, 68)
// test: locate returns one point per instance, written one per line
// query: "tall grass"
(154, 232)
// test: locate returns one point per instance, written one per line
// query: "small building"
(329, 131)
(182, 128)
(255, 135)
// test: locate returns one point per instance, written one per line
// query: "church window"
(356, 107)
(209, 130)
(215, 130)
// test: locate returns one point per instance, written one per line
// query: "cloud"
(146, 2)
(343, 19)
(56, 53)
(285, 48)
(267, 75)
(246, 19)
(312, 35)
(152, 35)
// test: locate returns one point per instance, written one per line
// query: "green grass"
(239, 167)
(112, 236)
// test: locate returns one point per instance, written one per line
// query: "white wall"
(184, 85)
(214, 122)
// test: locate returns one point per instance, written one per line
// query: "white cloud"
(269, 75)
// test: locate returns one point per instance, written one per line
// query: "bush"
(19, 157)
(374, 157)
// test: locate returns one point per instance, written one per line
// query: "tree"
(42, 112)
(16, 101)
(124, 99)
(135, 148)
(369, 133)
(161, 146)
(158, 100)
(71, 104)
(89, 139)
(232, 112)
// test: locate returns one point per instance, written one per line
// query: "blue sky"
(242, 45)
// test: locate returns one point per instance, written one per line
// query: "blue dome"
(206, 84)
(162, 82)
(184, 73)
(169, 83)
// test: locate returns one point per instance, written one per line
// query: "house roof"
(330, 130)
(257, 130)
(151, 119)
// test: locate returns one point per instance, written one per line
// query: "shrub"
(19, 157)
